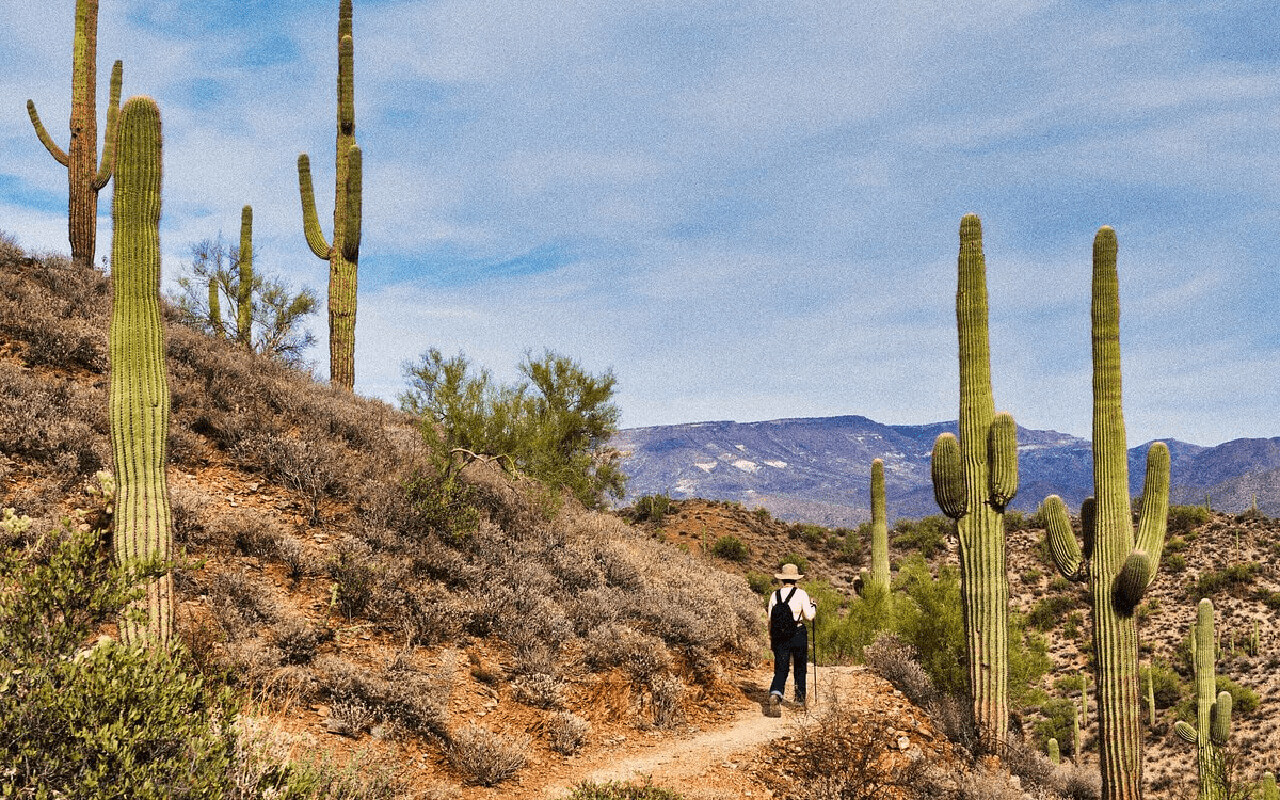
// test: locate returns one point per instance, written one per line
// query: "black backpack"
(782, 621)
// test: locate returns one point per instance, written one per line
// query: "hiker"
(788, 637)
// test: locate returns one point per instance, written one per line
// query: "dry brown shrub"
(485, 757)
(566, 732)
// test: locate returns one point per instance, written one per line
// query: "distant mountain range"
(818, 469)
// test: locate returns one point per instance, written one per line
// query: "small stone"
(903, 742)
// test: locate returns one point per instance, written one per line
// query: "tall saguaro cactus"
(85, 175)
(244, 302)
(1118, 563)
(878, 580)
(1213, 713)
(138, 399)
(343, 252)
(973, 479)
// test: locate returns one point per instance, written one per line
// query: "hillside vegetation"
(356, 586)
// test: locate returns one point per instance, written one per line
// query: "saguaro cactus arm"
(310, 219)
(107, 163)
(1002, 455)
(1063, 547)
(355, 202)
(948, 476)
(57, 152)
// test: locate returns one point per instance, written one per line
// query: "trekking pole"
(815, 666)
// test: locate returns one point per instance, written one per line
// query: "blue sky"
(748, 210)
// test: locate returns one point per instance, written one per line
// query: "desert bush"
(761, 583)
(1175, 563)
(652, 508)
(932, 622)
(895, 661)
(640, 655)
(1047, 611)
(666, 696)
(555, 425)
(355, 572)
(298, 639)
(416, 701)
(617, 790)
(1077, 782)
(1169, 688)
(485, 757)
(1233, 578)
(312, 465)
(1184, 518)
(987, 784)
(239, 602)
(266, 764)
(838, 758)
(730, 548)
(566, 732)
(927, 536)
(538, 689)
(1029, 764)
(61, 707)
(1057, 716)
(800, 561)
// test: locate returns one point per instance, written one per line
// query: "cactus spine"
(1118, 565)
(973, 480)
(85, 176)
(344, 251)
(244, 303)
(878, 580)
(139, 393)
(1213, 713)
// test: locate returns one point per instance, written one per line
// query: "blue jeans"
(792, 652)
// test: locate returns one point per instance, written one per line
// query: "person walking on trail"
(789, 608)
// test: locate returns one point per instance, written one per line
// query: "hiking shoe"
(775, 698)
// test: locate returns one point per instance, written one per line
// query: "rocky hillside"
(1232, 559)
(818, 470)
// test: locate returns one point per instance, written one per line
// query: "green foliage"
(1175, 563)
(442, 505)
(1029, 661)
(730, 548)
(1045, 614)
(1169, 687)
(652, 508)
(113, 721)
(555, 424)
(759, 582)
(1056, 723)
(615, 790)
(1232, 578)
(927, 536)
(275, 313)
(814, 535)
(800, 561)
(1183, 518)
(932, 622)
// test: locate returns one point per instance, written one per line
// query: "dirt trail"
(716, 764)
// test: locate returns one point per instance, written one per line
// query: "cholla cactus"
(344, 251)
(1213, 713)
(138, 398)
(973, 479)
(85, 175)
(1118, 565)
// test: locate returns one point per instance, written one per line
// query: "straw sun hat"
(790, 572)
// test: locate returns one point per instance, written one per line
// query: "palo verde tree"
(86, 176)
(1117, 563)
(343, 252)
(138, 399)
(555, 424)
(973, 479)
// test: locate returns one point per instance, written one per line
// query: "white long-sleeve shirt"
(802, 606)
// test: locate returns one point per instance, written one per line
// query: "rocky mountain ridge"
(818, 469)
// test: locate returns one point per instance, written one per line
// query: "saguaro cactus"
(85, 176)
(878, 579)
(1213, 713)
(973, 479)
(1269, 789)
(1054, 756)
(344, 251)
(244, 303)
(139, 393)
(1118, 565)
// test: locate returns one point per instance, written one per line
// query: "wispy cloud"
(746, 209)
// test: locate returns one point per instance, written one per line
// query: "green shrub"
(1169, 688)
(1056, 724)
(112, 721)
(652, 508)
(762, 515)
(800, 561)
(1045, 614)
(933, 621)
(1232, 578)
(813, 535)
(760, 582)
(1184, 518)
(615, 790)
(927, 536)
(1174, 563)
(730, 548)
(1244, 701)
(555, 424)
